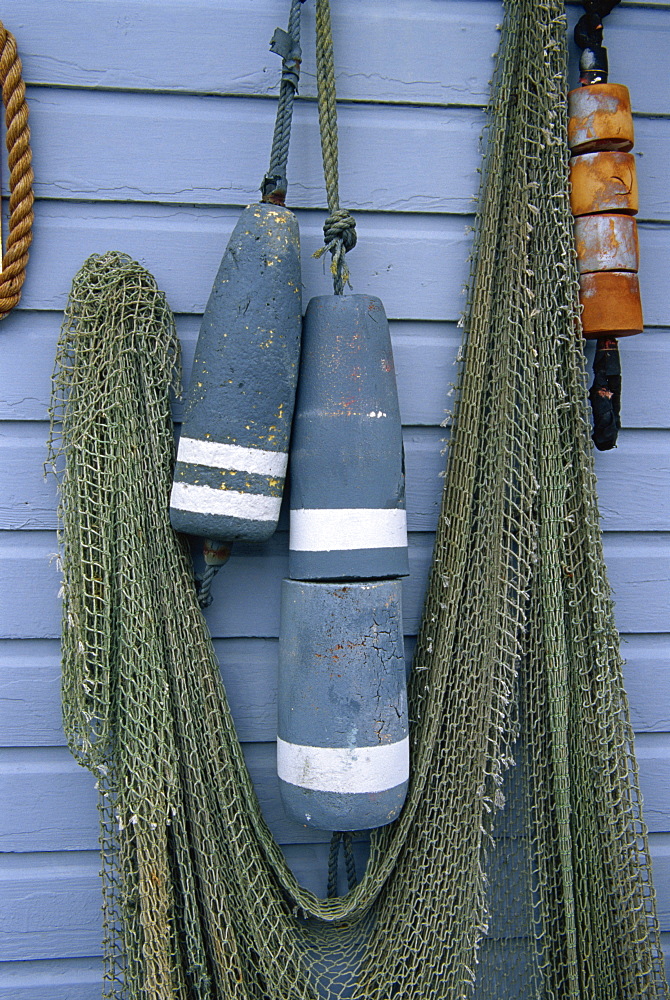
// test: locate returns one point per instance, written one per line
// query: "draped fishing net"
(519, 867)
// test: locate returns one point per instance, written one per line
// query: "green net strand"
(519, 867)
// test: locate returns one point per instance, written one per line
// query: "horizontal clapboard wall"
(151, 127)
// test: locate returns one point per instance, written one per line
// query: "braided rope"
(204, 586)
(349, 860)
(21, 199)
(339, 229)
(346, 839)
(333, 859)
(286, 44)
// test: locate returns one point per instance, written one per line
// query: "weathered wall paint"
(151, 129)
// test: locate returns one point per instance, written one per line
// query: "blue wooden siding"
(151, 127)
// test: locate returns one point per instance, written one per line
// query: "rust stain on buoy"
(603, 182)
(606, 243)
(600, 118)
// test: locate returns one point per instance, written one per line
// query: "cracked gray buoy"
(343, 745)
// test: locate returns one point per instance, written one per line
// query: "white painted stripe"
(231, 456)
(344, 769)
(347, 528)
(206, 500)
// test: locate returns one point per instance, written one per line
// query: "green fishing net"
(519, 867)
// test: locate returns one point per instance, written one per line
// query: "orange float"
(611, 305)
(600, 119)
(605, 181)
(604, 199)
(606, 242)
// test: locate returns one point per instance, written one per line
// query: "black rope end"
(605, 394)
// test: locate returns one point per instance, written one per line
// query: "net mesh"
(519, 867)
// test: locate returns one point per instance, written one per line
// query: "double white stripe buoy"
(233, 450)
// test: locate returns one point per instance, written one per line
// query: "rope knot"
(340, 226)
(339, 233)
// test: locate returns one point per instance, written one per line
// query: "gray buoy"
(232, 454)
(347, 516)
(343, 747)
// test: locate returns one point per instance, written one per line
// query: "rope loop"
(349, 860)
(15, 257)
(333, 858)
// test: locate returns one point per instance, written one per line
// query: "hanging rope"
(339, 229)
(204, 586)
(15, 257)
(287, 45)
(346, 840)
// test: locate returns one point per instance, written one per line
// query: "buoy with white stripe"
(347, 510)
(343, 747)
(232, 454)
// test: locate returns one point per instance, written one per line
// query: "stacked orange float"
(604, 200)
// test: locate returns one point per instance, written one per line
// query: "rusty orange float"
(600, 119)
(611, 305)
(605, 181)
(604, 199)
(606, 242)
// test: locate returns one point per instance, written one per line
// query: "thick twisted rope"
(339, 229)
(204, 586)
(21, 199)
(287, 45)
